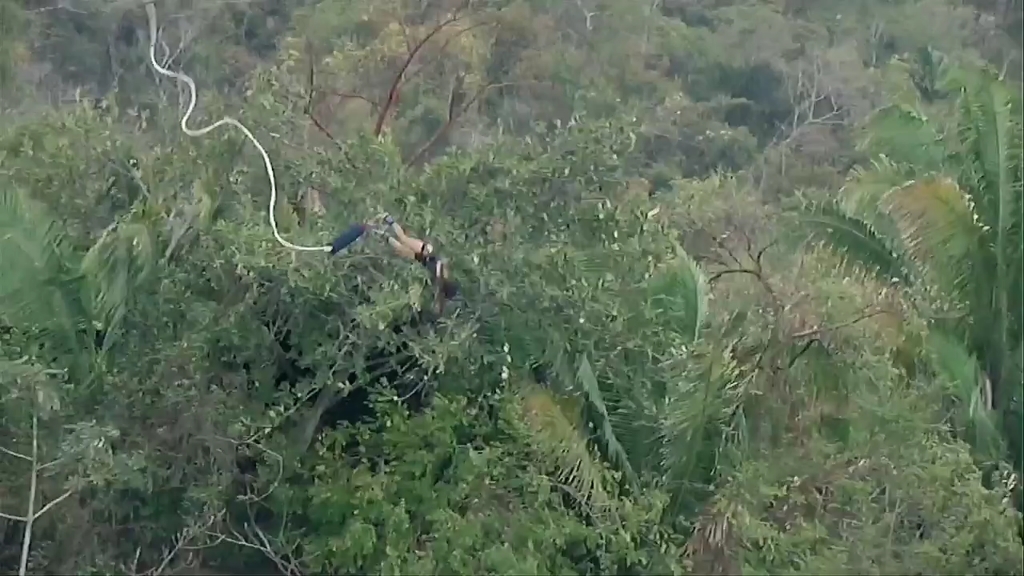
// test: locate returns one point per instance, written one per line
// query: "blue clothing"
(347, 237)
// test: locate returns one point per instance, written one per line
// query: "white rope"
(151, 12)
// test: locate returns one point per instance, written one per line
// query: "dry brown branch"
(749, 262)
(396, 83)
(785, 327)
(310, 95)
(387, 109)
(444, 46)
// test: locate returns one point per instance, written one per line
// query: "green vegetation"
(741, 288)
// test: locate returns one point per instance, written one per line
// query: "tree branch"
(454, 113)
(444, 46)
(847, 324)
(30, 514)
(714, 277)
(310, 90)
(378, 126)
(12, 517)
(255, 539)
(14, 454)
(54, 502)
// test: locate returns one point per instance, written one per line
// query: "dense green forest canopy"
(740, 288)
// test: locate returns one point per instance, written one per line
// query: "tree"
(942, 217)
(636, 378)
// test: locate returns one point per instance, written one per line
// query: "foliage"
(642, 374)
(954, 241)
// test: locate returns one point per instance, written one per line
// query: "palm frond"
(556, 423)
(938, 230)
(602, 422)
(968, 386)
(116, 264)
(992, 147)
(864, 193)
(929, 73)
(904, 136)
(990, 137)
(38, 290)
(866, 187)
(856, 240)
(678, 294)
(702, 416)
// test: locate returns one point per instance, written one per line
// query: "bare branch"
(586, 14)
(180, 541)
(14, 454)
(30, 514)
(58, 7)
(54, 502)
(12, 517)
(251, 441)
(255, 539)
(444, 46)
(310, 91)
(720, 274)
(352, 96)
(823, 329)
(400, 76)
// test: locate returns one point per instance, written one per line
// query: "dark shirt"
(447, 289)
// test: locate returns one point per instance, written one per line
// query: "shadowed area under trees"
(739, 288)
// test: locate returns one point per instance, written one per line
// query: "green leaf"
(969, 386)
(588, 383)
(678, 295)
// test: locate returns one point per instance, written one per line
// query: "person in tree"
(415, 249)
(409, 248)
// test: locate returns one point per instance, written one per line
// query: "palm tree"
(653, 420)
(939, 211)
(63, 300)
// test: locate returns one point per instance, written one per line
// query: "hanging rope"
(151, 12)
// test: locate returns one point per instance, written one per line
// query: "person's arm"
(405, 245)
